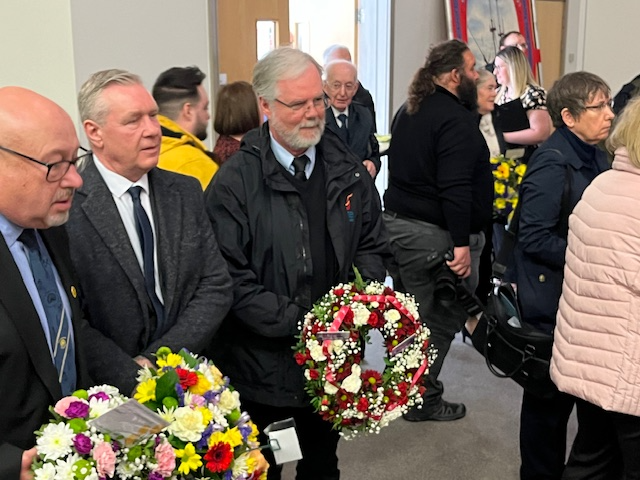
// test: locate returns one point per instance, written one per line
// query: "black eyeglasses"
(57, 170)
(600, 106)
(318, 102)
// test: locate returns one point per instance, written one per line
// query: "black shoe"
(465, 335)
(444, 412)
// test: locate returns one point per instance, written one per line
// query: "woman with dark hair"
(237, 112)
(557, 174)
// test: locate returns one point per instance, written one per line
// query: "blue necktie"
(343, 129)
(145, 233)
(59, 325)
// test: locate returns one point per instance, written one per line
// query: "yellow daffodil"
(189, 459)
(520, 169)
(499, 187)
(500, 203)
(202, 386)
(253, 436)
(171, 360)
(146, 391)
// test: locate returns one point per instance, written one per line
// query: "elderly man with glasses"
(39, 308)
(293, 211)
(351, 121)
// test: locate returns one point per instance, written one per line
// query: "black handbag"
(512, 348)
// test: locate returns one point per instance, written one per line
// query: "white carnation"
(360, 315)
(188, 424)
(315, 350)
(229, 401)
(392, 315)
(330, 388)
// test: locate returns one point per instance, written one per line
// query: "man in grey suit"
(351, 121)
(148, 262)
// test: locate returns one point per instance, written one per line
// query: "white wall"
(417, 25)
(36, 49)
(602, 39)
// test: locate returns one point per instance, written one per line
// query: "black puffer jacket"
(262, 229)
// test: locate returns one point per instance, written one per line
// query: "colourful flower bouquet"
(330, 349)
(212, 438)
(70, 448)
(507, 176)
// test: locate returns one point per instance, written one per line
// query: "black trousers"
(607, 446)
(318, 441)
(543, 435)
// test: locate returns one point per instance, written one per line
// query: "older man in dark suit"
(351, 121)
(39, 310)
(148, 262)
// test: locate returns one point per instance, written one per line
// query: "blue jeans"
(412, 242)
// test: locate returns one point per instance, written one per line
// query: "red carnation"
(187, 379)
(348, 318)
(219, 457)
(313, 374)
(375, 319)
(363, 404)
(301, 358)
(338, 292)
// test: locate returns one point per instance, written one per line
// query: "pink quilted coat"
(596, 352)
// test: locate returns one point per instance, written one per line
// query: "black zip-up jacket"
(262, 230)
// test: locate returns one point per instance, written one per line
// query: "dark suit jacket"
(364, 98)
(362, 140)
(195, 282)
(28, 377)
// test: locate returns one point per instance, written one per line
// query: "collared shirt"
(337, 113)
(10, 231)
(119, 186)
(285, 158)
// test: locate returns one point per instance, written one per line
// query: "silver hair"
(283, 63)
(329, 66)
(332, 53)
(90, 101)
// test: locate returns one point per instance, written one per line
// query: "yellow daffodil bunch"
(507, 176)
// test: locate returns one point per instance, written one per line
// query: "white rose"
(330, 388)
(353, 382)
(315, 350)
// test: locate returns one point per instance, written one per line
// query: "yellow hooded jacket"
(182, 152)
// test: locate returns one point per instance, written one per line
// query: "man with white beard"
(292, 212)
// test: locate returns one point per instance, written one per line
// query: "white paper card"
(283, 441)
(130, 422)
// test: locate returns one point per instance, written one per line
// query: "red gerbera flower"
(187, 379)
(219, 457)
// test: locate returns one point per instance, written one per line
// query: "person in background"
(237, 112)
(350, 121)
(439, 200)
(516, 82)
(183, 105)
(362, 95)
(146, 256)
(40, 327)
(595, 351)
(557, 174)
(514, 39)
(293, 211)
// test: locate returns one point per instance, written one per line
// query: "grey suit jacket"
(361, 126)
(194, 279)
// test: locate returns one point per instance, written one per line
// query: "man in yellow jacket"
(184, 117)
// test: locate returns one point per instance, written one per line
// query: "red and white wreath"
(330, 348)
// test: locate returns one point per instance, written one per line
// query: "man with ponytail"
(439, 200)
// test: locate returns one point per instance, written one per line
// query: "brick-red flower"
(219, 457)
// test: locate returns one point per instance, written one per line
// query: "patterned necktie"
(145, 234)
(59, 325)
(343, 129)
(299, 164)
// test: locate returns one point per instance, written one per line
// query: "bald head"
(35, 134)
(336, 52)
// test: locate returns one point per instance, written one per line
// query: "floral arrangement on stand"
(507, 176)
(330, 348)
(212, 438)
(70, 448)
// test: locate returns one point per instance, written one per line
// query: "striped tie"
(59, 325)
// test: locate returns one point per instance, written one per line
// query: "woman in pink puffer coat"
(596, 352)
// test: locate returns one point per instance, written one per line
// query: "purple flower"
(77, 410)
(155, 476)
(180, 392)
(203, 443)
(100, 396)
(82, 444)
(115, 446)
